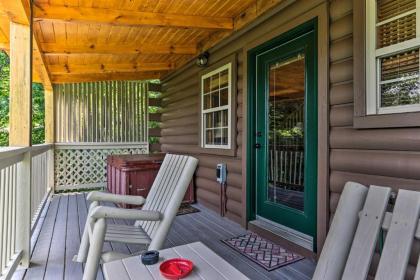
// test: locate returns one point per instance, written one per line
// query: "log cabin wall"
(387, 157)
(180, 116)
(180, 134)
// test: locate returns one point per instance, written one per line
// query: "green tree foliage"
(4, 99)
(38, 111)
(38, 114)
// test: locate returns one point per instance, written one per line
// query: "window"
(216, 103)
(392, 56)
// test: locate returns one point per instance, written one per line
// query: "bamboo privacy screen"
(113, 111)
(94, 120)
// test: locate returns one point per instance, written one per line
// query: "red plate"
(176, 268)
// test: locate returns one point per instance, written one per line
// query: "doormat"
(186, 208)
(261, 251)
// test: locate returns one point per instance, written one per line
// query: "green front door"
(285, 131)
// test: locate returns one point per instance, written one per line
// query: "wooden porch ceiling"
(86, 40)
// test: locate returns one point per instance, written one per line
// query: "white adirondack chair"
(351, 241)
(153, 221)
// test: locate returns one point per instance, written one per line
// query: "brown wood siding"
(180, 134)
(389, 157)
(180, 118)
(371, 156)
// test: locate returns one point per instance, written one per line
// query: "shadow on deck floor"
(57, 236)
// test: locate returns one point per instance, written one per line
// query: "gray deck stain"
(57, 236)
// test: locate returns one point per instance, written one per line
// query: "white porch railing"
(8, 193)
(83, 165)
(286, 167)
(24, 186)
(28, 175)
(41, 179)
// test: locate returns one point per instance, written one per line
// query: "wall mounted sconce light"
(203, 59)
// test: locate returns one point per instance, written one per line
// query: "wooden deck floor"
(56, 241)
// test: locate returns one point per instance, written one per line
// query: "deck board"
(72, 239)
(60, 232)
(56, 257)
(42, 247)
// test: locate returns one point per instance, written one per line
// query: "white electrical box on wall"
(221, 173)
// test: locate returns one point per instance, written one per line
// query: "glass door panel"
(286, 158)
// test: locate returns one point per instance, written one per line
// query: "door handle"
(257, 146)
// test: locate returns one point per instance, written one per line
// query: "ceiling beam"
(40, 65)
(80, 78)
(127, 17)
(66, 49)
(109, 68)
(19, 11)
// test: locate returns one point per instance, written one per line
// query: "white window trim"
(373, 56)
(227, 66)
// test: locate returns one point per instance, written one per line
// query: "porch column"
(20, 85)
(49, 115)
(50, 132)
(21, 128)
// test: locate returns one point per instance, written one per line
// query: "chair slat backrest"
(340, 236)
(402, 227)
(166, 195)
(400, 237)
(370, 222)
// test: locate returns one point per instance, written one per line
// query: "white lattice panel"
(85, 166)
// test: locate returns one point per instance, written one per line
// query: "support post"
(20, 85)
(21, 128)
(49, 115)
(50, 132)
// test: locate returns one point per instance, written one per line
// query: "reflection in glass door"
(286, 157)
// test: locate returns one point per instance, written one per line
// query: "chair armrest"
(115, 198)
(129, 214)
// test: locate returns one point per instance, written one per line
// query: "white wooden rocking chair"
(153, 221)
(352, 238)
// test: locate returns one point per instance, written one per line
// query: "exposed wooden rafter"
(124, 17)
(79, 78)
(95, 46)
(19, 11)
(82, 49)
(108, 68)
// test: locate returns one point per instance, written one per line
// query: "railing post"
(50, 169)
(23, 206)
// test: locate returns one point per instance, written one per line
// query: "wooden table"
(207, 265)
